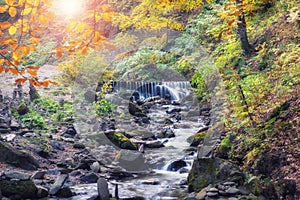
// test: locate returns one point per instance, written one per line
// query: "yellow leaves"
(3, 8)
(12, 30)
(12, 11)
(26, 11)
(10, 2)
(16, 55)
(42, 20)
(25, 50)
(80, 27)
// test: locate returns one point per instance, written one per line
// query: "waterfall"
(174, 91)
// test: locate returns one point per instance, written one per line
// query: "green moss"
(120, 140)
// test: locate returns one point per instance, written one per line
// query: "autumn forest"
(149, 99)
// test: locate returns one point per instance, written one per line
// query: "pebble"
(233, 191)
(212, 194)
(229, 183)
(213, 190)
(201, 195)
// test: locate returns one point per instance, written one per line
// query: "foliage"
(84, 69)
(34, 120)
(104, 107)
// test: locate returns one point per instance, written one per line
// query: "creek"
(158, 173)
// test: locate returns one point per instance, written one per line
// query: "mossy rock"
(135, 110)
(197, 138)
(22, 109)
(18, 189)
(120, 140)
(224, 148)
(17, 158)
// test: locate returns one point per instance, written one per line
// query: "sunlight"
(68, 8)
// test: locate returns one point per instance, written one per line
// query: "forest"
(150, 99)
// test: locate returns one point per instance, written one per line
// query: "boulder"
(207, 171)
(176, 165)
(89, 178)
(131, 160)
(18, 189)
(135, 110)
(120, 140)
(18, 158)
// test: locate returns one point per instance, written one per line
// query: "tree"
(23, 22)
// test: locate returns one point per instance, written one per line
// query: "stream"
(158, 173)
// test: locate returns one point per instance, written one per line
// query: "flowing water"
(159, 181)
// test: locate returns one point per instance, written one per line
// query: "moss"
(225, 147)
(120, 140)
(198, 138)
(24, 189)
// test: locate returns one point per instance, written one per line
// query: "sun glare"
(69, 8)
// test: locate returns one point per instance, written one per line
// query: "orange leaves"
(45, 83)
(3, 8)
(10, 2)
(1, 69)
(20, 80)
(4, 25)
(32, 72)
(12, 11)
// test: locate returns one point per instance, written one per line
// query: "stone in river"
(102, 187)
(58, 184)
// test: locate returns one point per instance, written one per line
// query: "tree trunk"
(242, 31)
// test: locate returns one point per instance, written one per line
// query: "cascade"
(174, 91)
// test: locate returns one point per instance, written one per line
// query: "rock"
(102, 187)
(16, 175)
(57, 145)
(78, 145)
(213, 190)
(287, 187)
(4, 130)
(65, 192)
(207, 171)
(41, 192)
(14, 126)
(120, 140)
(129, 159)
(229, 183)
(23, 109)
(38, 175)
(58, 184)
(4, 125)
(202, 194)
(70, 131)
(212, 194)
(23, 189)
(197, 139)
(151, 182)
(17, 158)
(89, 178)
(9, 137)
(154, 144)
(90, 95)
(95, 167)
(243, 190)
(173, 110)
(232, 191)
(183, 170)
(176, 165)
(135, 110)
